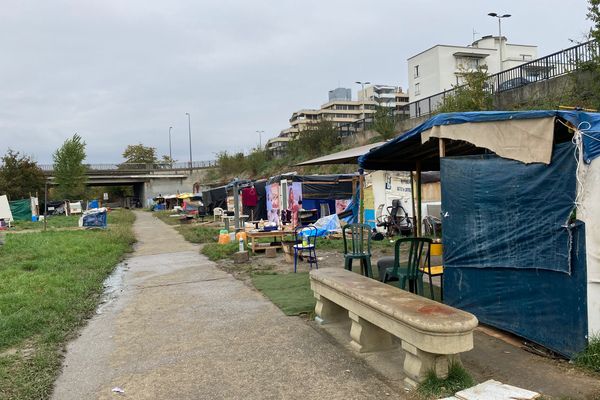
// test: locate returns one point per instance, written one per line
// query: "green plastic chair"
(408, 272)
(357, 246)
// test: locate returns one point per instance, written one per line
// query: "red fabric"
(249, 197)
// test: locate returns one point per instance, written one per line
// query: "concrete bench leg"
(418, 362)
(327, 311)
(367, 337)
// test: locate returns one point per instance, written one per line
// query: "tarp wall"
(21, 209)
(508, 256)
(589, 212)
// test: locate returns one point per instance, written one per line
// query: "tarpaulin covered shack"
(310, 192)
(515, 253)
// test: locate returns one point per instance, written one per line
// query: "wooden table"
(252, 236)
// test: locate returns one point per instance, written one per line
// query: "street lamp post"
(362, 84)
(190, 136)
(170, 150)
(260, 138)
(495, 15)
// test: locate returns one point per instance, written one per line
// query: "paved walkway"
(180, 328)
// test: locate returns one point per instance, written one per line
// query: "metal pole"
(236, 205)
(361, 201)
(190, 136)
(500, 40)
(45, 205)
(170, 152)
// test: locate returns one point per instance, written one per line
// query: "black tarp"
(215, 197)
(510, 256)
(326, 187)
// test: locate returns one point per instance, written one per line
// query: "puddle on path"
(113, 286)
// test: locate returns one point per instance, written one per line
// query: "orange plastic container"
(240, 235)
(224, 238)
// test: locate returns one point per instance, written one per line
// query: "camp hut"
(382, 187)
(520, 212)
(322, 194)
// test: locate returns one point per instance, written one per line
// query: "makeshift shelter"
(5, 212)
(512, 184)
(327, 194)
(24, 209)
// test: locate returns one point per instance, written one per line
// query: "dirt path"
(180, 328)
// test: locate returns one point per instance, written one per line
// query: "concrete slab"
(181, 328)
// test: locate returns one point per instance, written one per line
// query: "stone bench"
(432, 334)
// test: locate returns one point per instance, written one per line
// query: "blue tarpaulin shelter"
(515, 252)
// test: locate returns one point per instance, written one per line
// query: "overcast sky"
(121, 72)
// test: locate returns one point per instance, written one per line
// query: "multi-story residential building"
(347, 114)
(441, 67)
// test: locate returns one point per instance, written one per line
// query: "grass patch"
(290, 292)
(165, 217)
(590, 357)
(434, 388)
(53, 222)
(50, 283)
(199, 234)
(215, 251)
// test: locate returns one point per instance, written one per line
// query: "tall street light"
(260, 138)
(190, 135)
(362, 84)
(170, 152)
(495, 15)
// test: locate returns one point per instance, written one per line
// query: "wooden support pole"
(442, 144)
(419, 198)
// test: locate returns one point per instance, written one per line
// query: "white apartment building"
(342, 111)
(441, 67)
(384, 95)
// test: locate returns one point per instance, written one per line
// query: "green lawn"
(50, 282)
(55, 221)
(290, 292)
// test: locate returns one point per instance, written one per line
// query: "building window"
(526, 57)
(416, 71)
(417, 89)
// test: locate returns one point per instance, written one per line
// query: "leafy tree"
(69, 170)
(140, 154)
(20, 176)
(586, 79)
(316, 139)
(384, 121)
(473, 95)
(167, 160)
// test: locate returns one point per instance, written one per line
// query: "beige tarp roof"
(342, 157)
(525, 140)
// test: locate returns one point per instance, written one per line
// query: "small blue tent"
(520, 209)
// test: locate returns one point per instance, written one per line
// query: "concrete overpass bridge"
(147, 180)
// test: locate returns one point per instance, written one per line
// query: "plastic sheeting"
(5, 212)
(589, 212)
(500, 213)
(385, 156)
(321, 186)
(507, 256)
(21, 209)
(94, 218)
